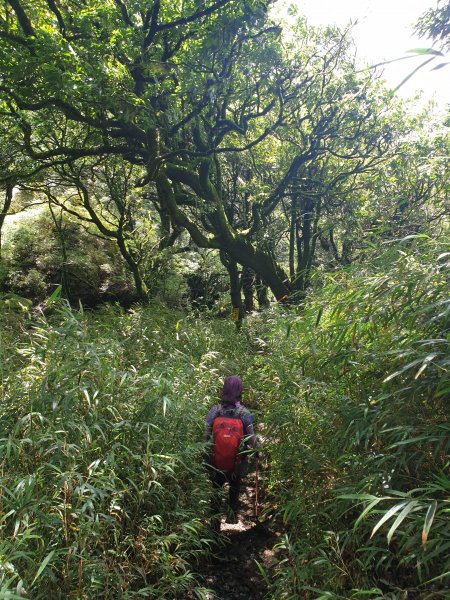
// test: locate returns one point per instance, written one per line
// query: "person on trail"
(229, 428)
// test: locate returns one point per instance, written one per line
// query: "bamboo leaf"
(413, 440)
(408, 77)
(166, 404)
(403, 369)
(421, 370)
(366, 511)
(319, 315)
(363, 497)
(428, 51)
(387, 516)
(429, 517)
(44, 563)
(263, 572)
(440, 66)
(414, 236)
(441, 576)
(425, 364)
(405, 512)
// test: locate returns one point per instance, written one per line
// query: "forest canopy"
(170, 129)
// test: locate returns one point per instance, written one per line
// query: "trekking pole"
(257, 490)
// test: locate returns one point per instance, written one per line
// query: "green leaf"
(425, 364)
(408, 77)
(263, 572)
(319, 315)
(442, 576)
(429, 517)
(166, 404)
(387, 516)
(414, 236)
(403, 369)
(362, 497)
(419, 438)
(366, 511)
(54, 296)
(405, 512)
(44, 563)
(428, 51)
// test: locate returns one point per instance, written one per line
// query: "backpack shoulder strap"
(243, 412)
(238, 413)
(232, 413)
(218, 409)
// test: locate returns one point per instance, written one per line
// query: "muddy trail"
(232, 572)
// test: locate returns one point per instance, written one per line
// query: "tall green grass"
(358, 421)
(103, 492)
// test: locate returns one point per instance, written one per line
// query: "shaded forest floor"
(232, 572)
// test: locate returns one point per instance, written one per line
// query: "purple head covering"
(232, 390)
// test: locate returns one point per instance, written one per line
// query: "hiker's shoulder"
(245, 412)
(212, 413)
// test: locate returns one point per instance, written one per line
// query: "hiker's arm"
(209, 423)
(208, 433)
(252, 440)
(249, 432)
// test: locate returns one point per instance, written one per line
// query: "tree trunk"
(346, 251)
(262, 262)
(237, 246)
(334, 247)
(303, 246)
(306, 244)
(6, 206)
(248, 288)
(118, 236)
(141, 288)
(261, 293)
(292, 238)
(61, 235)
(235, 288)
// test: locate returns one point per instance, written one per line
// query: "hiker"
(230, 429)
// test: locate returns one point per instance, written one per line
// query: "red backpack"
(228, 433)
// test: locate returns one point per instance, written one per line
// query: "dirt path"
(232, 573)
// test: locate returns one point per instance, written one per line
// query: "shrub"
(38, 257)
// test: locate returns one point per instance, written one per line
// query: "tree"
(324, 120)
(101, 192)
(435, 24)
(181, 93)
(95, 80)
(410, 194)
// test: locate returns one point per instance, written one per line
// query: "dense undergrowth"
(359, 430)
(103, 492)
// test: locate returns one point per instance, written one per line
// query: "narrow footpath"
(233, 573)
